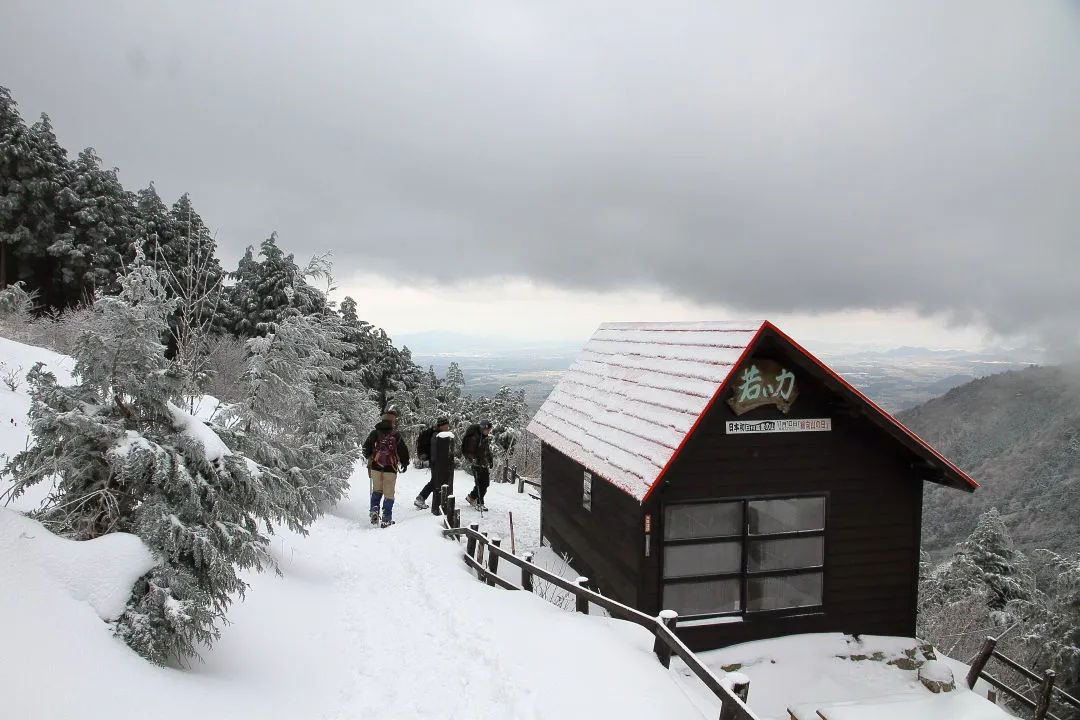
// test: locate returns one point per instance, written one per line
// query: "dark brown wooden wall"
(874, 504)
(604, 545)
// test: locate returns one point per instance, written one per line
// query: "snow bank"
(99, 572)
(814, 671)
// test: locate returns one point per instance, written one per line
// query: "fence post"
(480, 556)
(663, 651)
(526, 576)
(493, 561)
(741, 687)
(521, 483)
(450, 504)
(444, 492)
(506, 474)
(980, 660)
(582, 601)
(470, 543)
(1045, 694)
(455, 522)
(436, 500)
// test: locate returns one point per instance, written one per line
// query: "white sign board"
(751, 427)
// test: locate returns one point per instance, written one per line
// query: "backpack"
(385, 453)
(470, 442)
(423, 443)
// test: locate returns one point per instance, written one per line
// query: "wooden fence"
(1047, 691)
(483, 554)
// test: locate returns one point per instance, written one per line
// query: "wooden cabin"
(722, 471)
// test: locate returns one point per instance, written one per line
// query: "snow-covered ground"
(369, 623)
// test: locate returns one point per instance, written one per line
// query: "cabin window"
(744, 556)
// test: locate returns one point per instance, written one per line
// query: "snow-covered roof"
(636, 391)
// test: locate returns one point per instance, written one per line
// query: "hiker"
(476, 449)
(391, 416)
(386, 452)
(438, 445)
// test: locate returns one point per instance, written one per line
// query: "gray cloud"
(768, 156)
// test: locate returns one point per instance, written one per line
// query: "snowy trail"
(373, 623)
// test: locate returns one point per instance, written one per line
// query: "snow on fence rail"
(483, 553)
(1047, 689)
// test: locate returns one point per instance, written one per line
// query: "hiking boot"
(481, 507)
(374, 517)
(470, 499)
(420, 504)
(386, 523)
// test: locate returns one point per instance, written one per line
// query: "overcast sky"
(897, 169)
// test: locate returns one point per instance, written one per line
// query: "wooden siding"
(874, 504)
(604, 544)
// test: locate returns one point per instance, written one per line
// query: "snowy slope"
(363, 623)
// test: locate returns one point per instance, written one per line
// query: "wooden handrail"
(1046, 680)
(1030, 675)
(1016, 694)
(732, 706)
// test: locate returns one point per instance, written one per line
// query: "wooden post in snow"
(582, 601)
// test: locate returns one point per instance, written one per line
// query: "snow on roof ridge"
(715, 325)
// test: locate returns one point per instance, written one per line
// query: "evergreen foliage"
(125, 458)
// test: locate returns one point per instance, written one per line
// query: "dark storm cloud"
(769, 156)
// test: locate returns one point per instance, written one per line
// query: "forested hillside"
(1018, 435)
(134, 292)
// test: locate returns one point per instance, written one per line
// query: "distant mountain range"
(896, 378)
(1018, 435)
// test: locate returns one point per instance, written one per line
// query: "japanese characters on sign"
(763, 382)
(746, 427)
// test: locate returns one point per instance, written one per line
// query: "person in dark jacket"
(387, 454)
(441, 454)
(476, 449)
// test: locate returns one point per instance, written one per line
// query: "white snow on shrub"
(199, 431)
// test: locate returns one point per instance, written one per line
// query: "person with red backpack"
(387, 454)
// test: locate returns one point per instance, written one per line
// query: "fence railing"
(1047, 691)
(483, 554)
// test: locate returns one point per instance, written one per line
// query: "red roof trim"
(893, 421)
(704, 412)
(750, 346)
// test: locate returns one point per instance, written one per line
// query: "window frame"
(744, 575)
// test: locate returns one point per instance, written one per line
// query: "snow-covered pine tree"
(102, 218)
(271, 289)
(1052, 635)
(1005, 571)
(302, 414)
(34, 198)
(126, 459)
(454, 381)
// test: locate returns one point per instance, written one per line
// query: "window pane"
(789, 591)
(779, 516)
(702, 598)
(702, 559)
(682, 522)
(788, 554)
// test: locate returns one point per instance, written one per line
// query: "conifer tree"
(103, 227)
(302, 415)
(1004, 570)
(127, 459)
